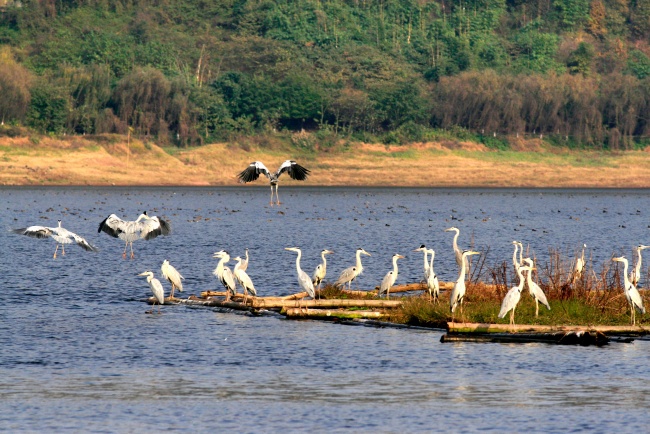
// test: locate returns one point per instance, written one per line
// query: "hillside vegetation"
(183, 73)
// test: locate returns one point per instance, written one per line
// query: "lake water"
(78, 352)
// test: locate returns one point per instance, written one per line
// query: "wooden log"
(457, 327)
(260, 302)
(559, 338)
(210, 302)
(331, 313)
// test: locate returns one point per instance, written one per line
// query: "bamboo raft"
(370, 312)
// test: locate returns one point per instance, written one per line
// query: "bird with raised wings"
(145, 227)
(59, 234)
(253, 171)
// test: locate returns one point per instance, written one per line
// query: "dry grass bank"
(108, 161)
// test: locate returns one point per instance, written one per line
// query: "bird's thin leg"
(126, 244)
(171, 294)
(271, 202)
(276, 195)
(536, 308)
(62, 249)
(132, 255)
(56, 250)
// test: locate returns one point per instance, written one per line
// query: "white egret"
(389, 279)
(303, 278)
(244, 280)
(145, 227)
(533, 288)
(351, 273)
(631, 293)
(635, 274)
(432, 279)
(458, 292)
(156, 288)
(321, 269)
(224, 274)
(424, 250)
(173, 276)
(513, 296)
(59, 234)
(457, 251)
(579, 267)
(253, 171)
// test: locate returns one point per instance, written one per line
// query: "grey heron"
(517, 262)
(244, 262)
(156, 288)
(631, 293)
(635, 274)
(432, 280)
(513, 296)
(321, 269)
(59, 234)
(458, 292)
(303, 278)
(244, 279)
(253, 171)
(579, 267)
(173, 276)
(145, 227)
(424, 250)
(224, 274)
(389, 279)
(351, 273)
(457, 251)
(533, 288)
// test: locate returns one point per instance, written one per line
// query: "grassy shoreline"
(108, 160)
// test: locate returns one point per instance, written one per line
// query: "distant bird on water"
(173, 276)
(144, 227)
(59, 234)
(253, 171)
(156, 288)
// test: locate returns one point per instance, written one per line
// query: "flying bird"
(145, 227)
(389, 279)
(156, 288)
(173, 276)
(631, 293)
(253, 171)
(59, 234)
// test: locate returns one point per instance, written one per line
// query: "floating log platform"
(583, 338)
(459, 327)
(262, 302)
(331, 313)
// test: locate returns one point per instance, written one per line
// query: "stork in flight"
(253, 171)
(59, 234)
(144, 227)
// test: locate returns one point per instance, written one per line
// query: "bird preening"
(253, 171)
(156, 288)
(59, 234)
(145, 227)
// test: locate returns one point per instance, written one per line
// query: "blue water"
(78, 352)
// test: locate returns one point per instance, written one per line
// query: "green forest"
(188, 72)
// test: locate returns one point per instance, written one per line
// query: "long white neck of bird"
(514, 257)
(298, 261)
(433, 253)
(529, 278)
(426, 262)
(220, 265)
(237, 265)
(149, 278)
(322, 255)
(637, 269)
(521, 253)
(395, 266)
(359, 266)
(520, 286)
(461, 276)
(455, 242)
(626, 280)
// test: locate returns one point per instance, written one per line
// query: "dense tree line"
(185, 72)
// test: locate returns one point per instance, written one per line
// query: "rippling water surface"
(78, 353)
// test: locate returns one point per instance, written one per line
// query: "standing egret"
(533, 288)
(321, 269)
(389, 279)
(458, 293)
(224, 274)
(517, 263)
(244, 280)
(173, 276)
(424, 250)
(513, 296)
(156, 288)
(635, 274)
(351, 273)
(457, 251)
(631, 293)
(144, 227)
(244, 262)
(253, 171)
(432, 280)
(59, 234)
(580, 265)
(303, 278)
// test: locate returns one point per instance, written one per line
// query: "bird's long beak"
(143, 274)
(400, 256)
(366, 253)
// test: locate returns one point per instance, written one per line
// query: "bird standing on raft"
(156, 288)
(513, 296)
(389, 279)
(351, 273)
(458, 292)
(303, 278)
(224, 274)
(59, 234)
(424, 250)
(533, 288)
(635, 274)
(244, 280)
(631, 293)
(580, 265)
(432, 280)
(145, 227)
(173, 276)
(321, 269)
(295, 171)
(457, 251)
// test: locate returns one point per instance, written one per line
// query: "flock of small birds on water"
(149, 227)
